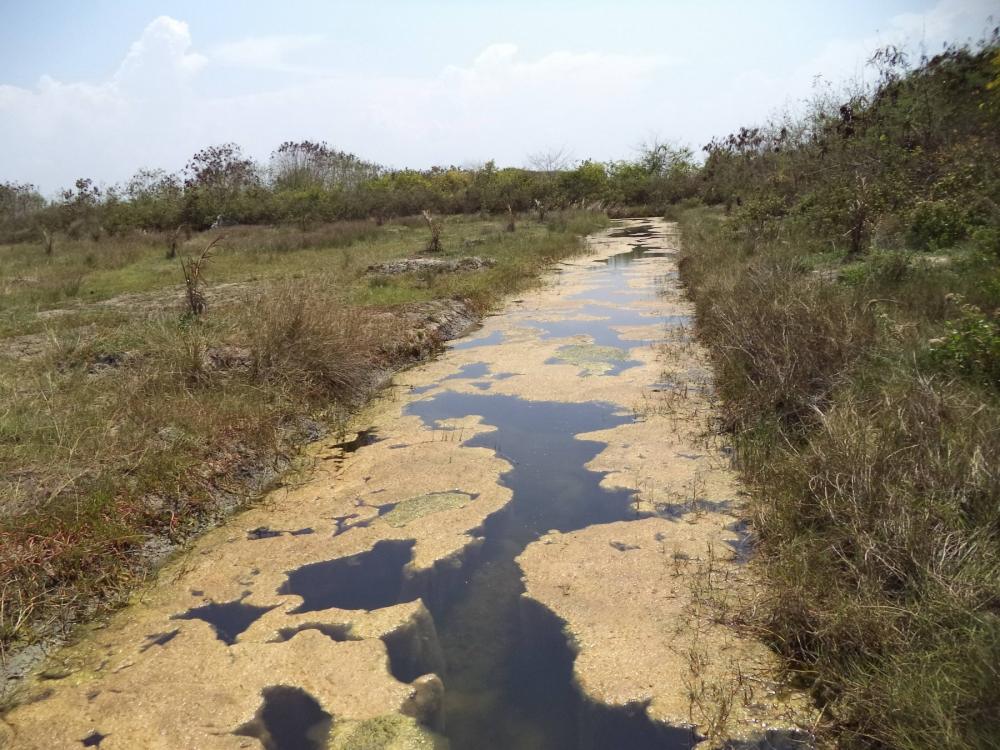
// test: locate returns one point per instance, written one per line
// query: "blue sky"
(102, 88)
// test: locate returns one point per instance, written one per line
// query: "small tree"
(175, 240)
(20, 204)
(540, 208)
(154, 199)
(587, 183)
(79, 208)
(551, 161)
(216, 179)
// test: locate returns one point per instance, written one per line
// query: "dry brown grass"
(814, 333)
(303, 337)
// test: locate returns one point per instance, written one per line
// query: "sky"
(104, 87)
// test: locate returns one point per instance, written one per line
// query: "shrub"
(987, 239)
(874, 478)
(877, 534)
(781, 339)
(935, 225)
(971, 346)
(758, 218)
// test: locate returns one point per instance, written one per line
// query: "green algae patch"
(424, 505)
(592, 358)
(390, 732)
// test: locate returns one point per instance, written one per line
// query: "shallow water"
(368, 580)
(489, 703)
(490, 340)
(508, 666)
(602, 328)
(289, 719)
(228, 619)
(466, 372)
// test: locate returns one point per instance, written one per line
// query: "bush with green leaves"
(971, 345)
(935, 225)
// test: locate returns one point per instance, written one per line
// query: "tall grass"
(876, 470)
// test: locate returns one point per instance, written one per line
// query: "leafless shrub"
(540, 208)
(48, 241)
(192, 269)
(434, 243)
(182, 232)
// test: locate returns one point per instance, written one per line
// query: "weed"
(48, 240)
(434, 243)
(970, 345)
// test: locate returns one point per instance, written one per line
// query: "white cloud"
(844, 61)
(150, 112)
(160, 57)
(155, 110)
(939, 23)
(268, 52)
(944, 22)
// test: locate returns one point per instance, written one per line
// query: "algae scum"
(509, 667)
(508, 671)
(504, 659)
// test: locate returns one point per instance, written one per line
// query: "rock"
(433, 265)
(426, 704)
(227, 358)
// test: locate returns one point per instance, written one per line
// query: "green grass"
(874, 463)
(134, 423)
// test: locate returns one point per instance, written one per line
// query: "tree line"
(909, 160)
(307, 182)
